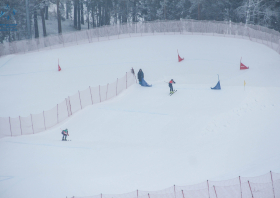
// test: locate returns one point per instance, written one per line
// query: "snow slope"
(143, 139)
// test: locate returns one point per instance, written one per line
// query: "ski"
(173, 92)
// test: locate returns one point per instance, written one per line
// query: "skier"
(65, 134)
(170, 86)
(140, 76)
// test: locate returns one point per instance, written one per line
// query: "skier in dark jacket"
(140, 76)
(170, 85)
(65, 134)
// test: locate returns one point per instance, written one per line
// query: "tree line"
(25, 15)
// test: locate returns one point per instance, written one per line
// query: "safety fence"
(36, 123)
(265, 186)
(256, 33)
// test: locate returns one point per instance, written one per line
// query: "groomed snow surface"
(142, 139)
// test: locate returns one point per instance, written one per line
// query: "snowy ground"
(143, 139)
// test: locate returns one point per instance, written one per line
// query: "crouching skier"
(170, 86)
(65, 134)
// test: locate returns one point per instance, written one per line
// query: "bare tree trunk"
(79, 14)
(92, 16)
(67, 9)
(36, 24)
(47, 12)
(75, 14)
(99, 16)
(88, 16)
(248, 12)
(134, 17)
(198, 12)
(58, 17)
(82, 13)
(43, 22)
(28, 20)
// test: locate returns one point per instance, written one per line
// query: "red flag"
(242, 66)
(179, 58)
(59, 68)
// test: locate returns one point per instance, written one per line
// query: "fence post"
(76, 38)
(240, 186)
(57, 113)
(126, 80)
(271, 41)
(80, 100)
(208, 189)
(250, 189)
(99, 94)
(272, 184)
(88, 36)
(44, 119)
(118, 31)
(137, 193)
(62, 40)
(10, 126)
(70, 105)
(107, 91)
(141, 28)
(23, 48)
(67, 106)
(90, 94)
(183, 194)
(215, 192)
(149, 195)
(174, 191)
(117, 87)
(20, 125)
(36, 41)
(107, 32)
(32, 123)
(279, 46)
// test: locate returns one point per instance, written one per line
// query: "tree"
(149, 10)
(75, 14)
(260, 12)
(78, 15)
(68, 9)
(58, 17)
(36, 24)
(42, 10)
(82, 12)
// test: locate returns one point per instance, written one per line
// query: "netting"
(62, 110)
(26, 125)
(15, 126)
(103, 92)
(5, 127)
(51, 117)
(255, 33)
(39, 122)
(265, 186)
(111, 90)
(75, 102)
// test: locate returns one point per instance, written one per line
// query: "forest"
(27, 19)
